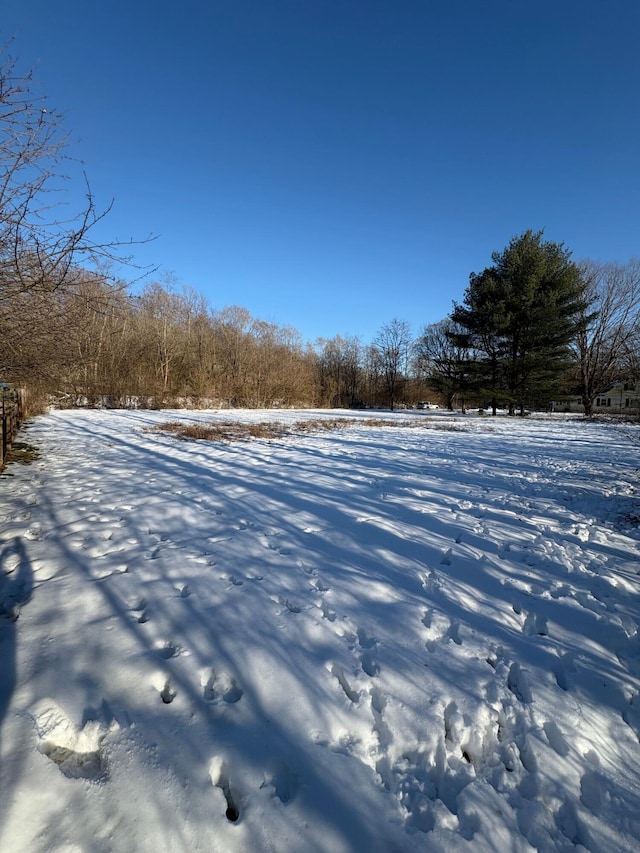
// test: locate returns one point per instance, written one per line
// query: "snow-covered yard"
(370, 639)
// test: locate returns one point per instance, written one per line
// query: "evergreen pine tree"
(520, 316)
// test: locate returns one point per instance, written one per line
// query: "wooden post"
(2, 443)
(12, 414)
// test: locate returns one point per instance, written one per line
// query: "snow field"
(380, 638)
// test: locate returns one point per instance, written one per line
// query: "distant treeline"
(532, 327)
(93, 342)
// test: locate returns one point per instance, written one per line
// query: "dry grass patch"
(224, 431)
(22, 452)
(235, 431)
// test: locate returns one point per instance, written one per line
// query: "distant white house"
(623, 398)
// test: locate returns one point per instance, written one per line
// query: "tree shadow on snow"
(370, 532)
(16, 585)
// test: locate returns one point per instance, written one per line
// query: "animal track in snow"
(283, 780)
(382, 731)
(289, 605)
(367, 660)
(338, 674)
(364, 641)
(427, 618)
(518, 683)
(168, 694)
(266, 541)
(474, 736)
(594, 791)
(453, 633)
(78, 754)
(534, 624)
(220, 687)
(369, 665)
(219, 775)
(328, 612)
(208, 690)
(34, 532)
(560, 590)
(454, 725)
(439, 629)
(98, 575)
(138, 606)
(319, 585)
(167, 650)
(563, 671)
(430, 583)
(556, 738)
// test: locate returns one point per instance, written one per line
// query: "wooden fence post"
(12, 415)
(2, 443)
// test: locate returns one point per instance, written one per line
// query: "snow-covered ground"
(370, 639)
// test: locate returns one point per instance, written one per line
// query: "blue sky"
(333, 164)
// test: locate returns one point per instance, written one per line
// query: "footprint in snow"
(430, 582)
(77, 753)
(338, 674)
(594, 791)
(447, 558)
(367, 660)
(439, 630)
(453, 633)
(563, 671)
(369, 664)
(220, 687)
(219, 775)
(168, 694)
(288, 605)
(319, 585)
(364, 641)
(534, 624)
(138, 606)
(34, 532)
(167, 650)
(328, 612)
(518, 683)
(556, 738)
(283, 780)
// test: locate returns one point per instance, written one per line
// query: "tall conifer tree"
(520, 316)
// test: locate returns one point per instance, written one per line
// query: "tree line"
(532, 327)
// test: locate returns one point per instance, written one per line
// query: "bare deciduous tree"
(41, 246)
(442, 359)
(339, 371)
(393, 345)
(611, 328)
